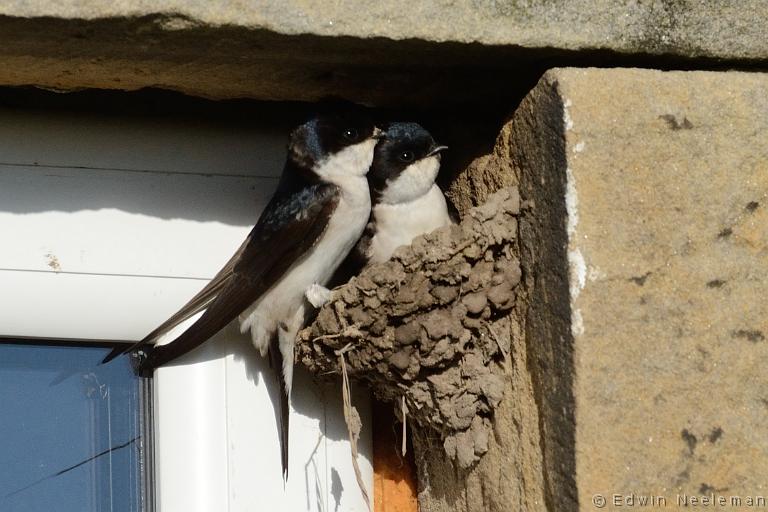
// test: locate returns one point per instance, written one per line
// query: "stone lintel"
(384, 53)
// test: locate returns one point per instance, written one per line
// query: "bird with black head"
(279, 273)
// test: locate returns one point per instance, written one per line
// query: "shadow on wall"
(169, 156)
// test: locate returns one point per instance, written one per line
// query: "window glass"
(71, 430)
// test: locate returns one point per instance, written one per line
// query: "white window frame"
(215, 431)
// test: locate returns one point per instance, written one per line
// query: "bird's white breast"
(398, 224)
(284, 301)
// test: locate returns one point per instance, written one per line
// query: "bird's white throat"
(413, 182)
(398, 224)
(354, 160)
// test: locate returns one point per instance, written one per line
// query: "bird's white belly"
(285, 302)
(399, 224)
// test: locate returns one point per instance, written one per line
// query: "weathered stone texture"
(647, 256)
(718, 29)
(483, 175)
(386, 52)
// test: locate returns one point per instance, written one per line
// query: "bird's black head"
(338, 130)
(405, 164)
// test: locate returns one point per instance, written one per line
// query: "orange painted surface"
(394, 477)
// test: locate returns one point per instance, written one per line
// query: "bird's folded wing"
(288, 228)
(192, 307)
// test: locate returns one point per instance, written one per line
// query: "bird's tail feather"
(276, 361)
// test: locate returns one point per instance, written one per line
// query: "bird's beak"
(378, 134)
(436, 150)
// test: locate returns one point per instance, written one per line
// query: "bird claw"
(317, 295)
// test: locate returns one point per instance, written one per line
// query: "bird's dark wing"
(289, 226)
(192, 307)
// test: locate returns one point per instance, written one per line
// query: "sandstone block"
(648, 243)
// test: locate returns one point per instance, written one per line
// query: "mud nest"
(418, 328)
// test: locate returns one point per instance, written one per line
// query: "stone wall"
(648, 254)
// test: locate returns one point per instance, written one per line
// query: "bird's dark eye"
(406, 156)
(350, 134)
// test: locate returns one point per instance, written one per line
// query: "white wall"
(107, 226)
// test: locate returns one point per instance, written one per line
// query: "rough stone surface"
(202, 58)
(646, 251)
(627, 26)
(383, 53)
(483, 175)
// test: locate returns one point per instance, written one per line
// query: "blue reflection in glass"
(70, 430)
